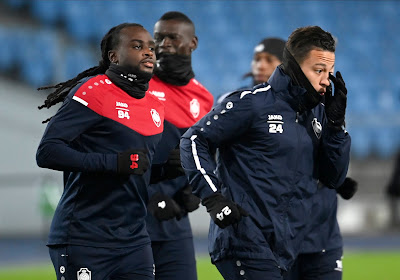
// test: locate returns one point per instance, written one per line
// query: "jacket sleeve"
(223, 124)
(334, 157)
(56, 151)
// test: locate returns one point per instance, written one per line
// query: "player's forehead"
(173, 27)
(323, 58)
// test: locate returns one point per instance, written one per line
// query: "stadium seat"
(385, 141)
(47, 12)
(76, 60)
(361, 146)
(7, 51)
(79, 20)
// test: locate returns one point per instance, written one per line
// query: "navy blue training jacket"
(271, 158)
(99, 207)
(324, 233)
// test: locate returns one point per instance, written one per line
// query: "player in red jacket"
(186, 101)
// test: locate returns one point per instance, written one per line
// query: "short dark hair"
(304, 39)
(176, 16)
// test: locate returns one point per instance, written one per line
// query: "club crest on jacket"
(317, 127)
(195, 107)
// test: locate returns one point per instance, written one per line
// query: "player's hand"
(223, 211)
(335, 106)
(173, 168)
(186, 199)
(348, 188)
(163, 208)
(133, 162)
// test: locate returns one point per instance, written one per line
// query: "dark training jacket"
(271, 158)
(324, 233)
(184, 106)
(99, 207)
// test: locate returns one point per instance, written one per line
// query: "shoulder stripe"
(244, 93)
(262, 89)
(198, 165)
(80, 100)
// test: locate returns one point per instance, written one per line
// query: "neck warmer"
(174, 69)
(131, 80)
(290, 66)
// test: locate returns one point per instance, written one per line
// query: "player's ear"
(112, 56)
(194, 42)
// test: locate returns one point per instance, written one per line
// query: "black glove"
(173, 168)
(335, 106)
(348, 188)
(164, 208)
(132, 162)
(186, 199)
(223, 211)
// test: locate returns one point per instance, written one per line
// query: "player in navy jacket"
(186, 101)
(275, 142)
(104, 137)
(322, 248)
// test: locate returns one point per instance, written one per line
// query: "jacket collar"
(284, 88)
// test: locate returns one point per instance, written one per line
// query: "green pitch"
(362, 265)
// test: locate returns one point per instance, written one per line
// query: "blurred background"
(46, 42)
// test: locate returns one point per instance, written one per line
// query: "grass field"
(373, 265)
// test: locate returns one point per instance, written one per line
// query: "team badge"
(195, 108)
(317, 127)
(84, 274)
(156, 117)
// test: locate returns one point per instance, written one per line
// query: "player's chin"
(146, 69)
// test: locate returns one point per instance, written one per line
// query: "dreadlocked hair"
(109, 42)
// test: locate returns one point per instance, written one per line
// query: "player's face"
(174, 37)
(317, 66)
(263, 65)
(136, 49)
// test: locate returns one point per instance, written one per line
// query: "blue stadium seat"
(361, 145)
(76, 60)
(38, 65)
(80, 20)
(47, 12)
(7, 51)
(385, 141)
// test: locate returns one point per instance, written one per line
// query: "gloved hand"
(186, 199)
(132, 162)
(348, 188)
(335, 106)
(163, 208)
(223, 211)
(173, 168)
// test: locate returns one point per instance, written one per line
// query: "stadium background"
(44, 42)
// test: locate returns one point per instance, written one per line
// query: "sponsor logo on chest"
(159, 94)
(122, 110)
